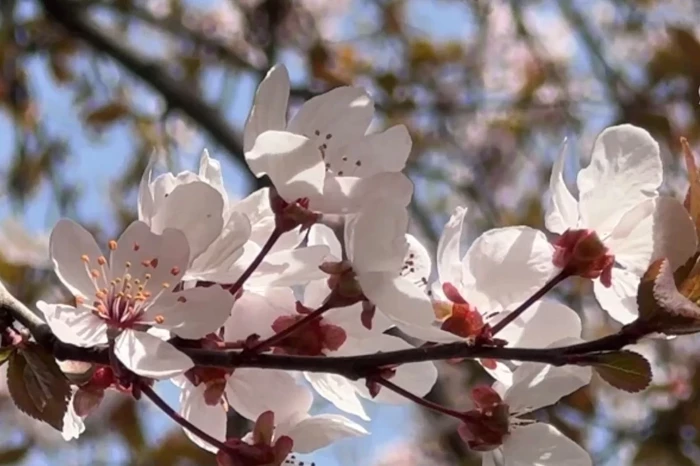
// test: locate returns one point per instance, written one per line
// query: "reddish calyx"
(262, 452)
(485, 427)
(582, 253)
(312, 339)
(289, 215)
(90, 394)
(461, 318)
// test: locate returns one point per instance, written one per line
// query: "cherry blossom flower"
(391, 267)
(256, 392)
(496, 425)
(618, 200)
(323, 153)
(197, 205)
(125, 297)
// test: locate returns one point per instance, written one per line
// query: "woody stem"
(172, 414)
(558, 278)
(264, 251)
(416, 399)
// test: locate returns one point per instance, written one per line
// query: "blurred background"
(488, 88)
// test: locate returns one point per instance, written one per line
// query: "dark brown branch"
(177, 94)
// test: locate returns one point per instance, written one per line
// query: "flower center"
(313, 339)
(485, 427)
(122, 300)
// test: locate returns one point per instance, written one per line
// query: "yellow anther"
(166, 285)
(159, 319)
(112, 245)
(79, 300)
(101, 260)
(85, 258)
(147, 276)
(117, 280)
(100, 295)
(95, 273)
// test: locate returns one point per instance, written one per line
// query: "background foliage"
(488, 88)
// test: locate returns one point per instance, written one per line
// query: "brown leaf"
(107, 114)
(692, 197)
(37, 386)
(625, 370)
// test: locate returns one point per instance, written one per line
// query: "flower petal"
(399, 299)
(372, 154)
(449, 258)
(538, 385)
(334, 119)
(288, 268)
(375, 238)
(68, 244)
(146, 204)
(620, 300)
(339, 391)
(269, 109)
(316, 432)
(293, 163)
(347, 194)
(418, 378)
(149, 356)
(251, 392)
(417, 266)
(321, 234)
(193, 313)
(141, 253)
(518, 256)
(217, 262)
(196, 209)
(210, 172)
(541, 444)
(625, 166)
(562, 209)
(255, 311)
(211, 419)
(77, 326)
(653, 229)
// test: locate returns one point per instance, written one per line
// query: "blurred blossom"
(21, 247)
(410, 453)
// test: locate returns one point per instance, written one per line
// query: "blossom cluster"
(320, 265)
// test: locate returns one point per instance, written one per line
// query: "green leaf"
(5, 354)
(37, 386)
(625, 370)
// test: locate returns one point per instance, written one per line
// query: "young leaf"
(5, 354)
(692, 198)
(37, 386)
(625, 370)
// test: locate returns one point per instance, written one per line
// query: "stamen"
(79, 300)
(175, 271)
(181, 299)
(136, 246)
(101, 260)
(94, 273)
(112, 245)
(159, 319)
(85, 258)
(166, 285)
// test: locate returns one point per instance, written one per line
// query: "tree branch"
(177, 94)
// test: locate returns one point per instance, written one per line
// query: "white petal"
(656, 228)
(321, 234)
(138, 246)
(77, 326)
(255, 311)
(335, 118)
(350, 319)
(292, 162)
(544, 323)
(319, 431)
(210, 171)
(288, 268)
(520, 257)
(68, 243)
(538, 385)
(418, 378)
(216, 263)
(149, 356)
(431, 333)
(196, 209)
(374, 153)
(73, 424)
(146, 205)
(375, 238)
(620, 300)
(339, 391)
(399, 299)
(541, 444)
(211, 419)
(347, 194)
(315, 293)
(625, 167)
(417, 266)
(449, 258)
(251, 392)
(562, 209)
(269, 109)
(193, 313)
